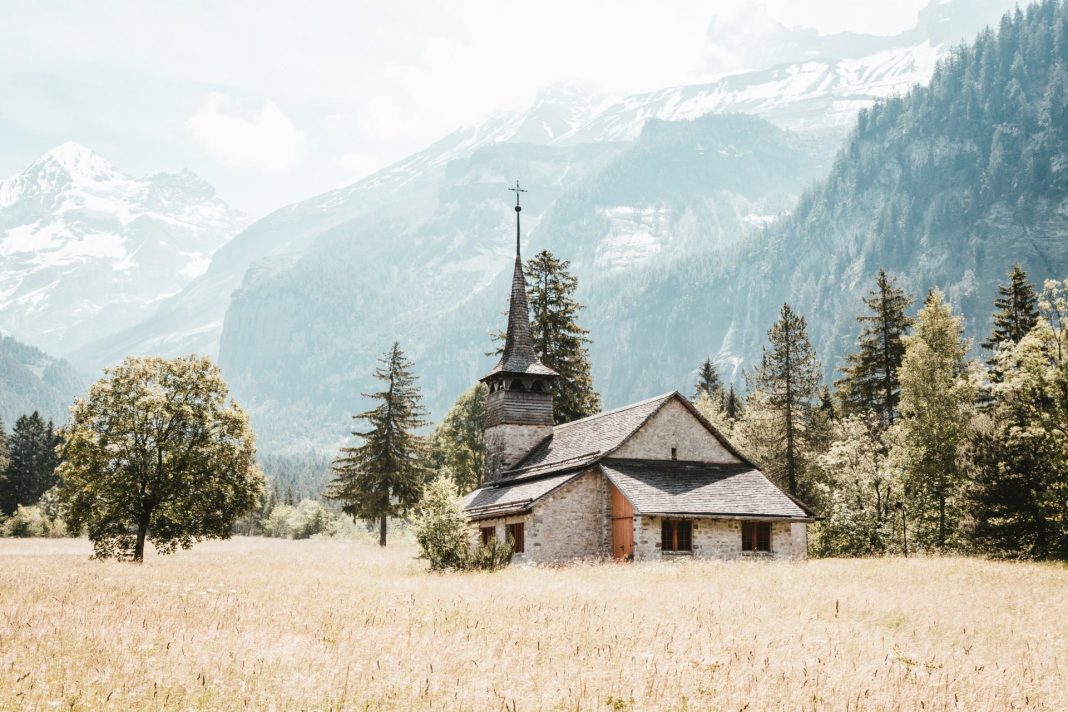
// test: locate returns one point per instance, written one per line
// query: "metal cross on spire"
(517, 190)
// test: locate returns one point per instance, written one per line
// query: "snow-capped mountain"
(86, 250)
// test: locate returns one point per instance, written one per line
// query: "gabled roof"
(582, 442)
(652, 486)
(669, 487)
(518, 356)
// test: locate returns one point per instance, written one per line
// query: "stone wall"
(721, 539)
(674, 426)
(508, 444)
(573, 522)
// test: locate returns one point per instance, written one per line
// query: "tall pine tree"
(708, 382)
(870, 382)
(1017, 311)
(784, 387)
(383, 477)
(927, 442)
(559, 341)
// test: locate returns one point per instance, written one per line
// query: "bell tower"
(519, 406)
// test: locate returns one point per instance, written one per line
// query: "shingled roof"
(653, 487)
(582, 442)
(665, 488)
(518, 356)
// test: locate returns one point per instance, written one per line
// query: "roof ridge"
(620, 409)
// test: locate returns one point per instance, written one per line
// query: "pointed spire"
(518, 355)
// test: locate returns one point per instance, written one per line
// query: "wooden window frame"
(518, 536)
(756, 537)
(487, 534)
(680, 540)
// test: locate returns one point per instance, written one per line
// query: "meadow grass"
(271, 624)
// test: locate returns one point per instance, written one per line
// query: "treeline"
(28, 462)
(917, 446)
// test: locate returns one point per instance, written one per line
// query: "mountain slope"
(813, 83)
(945, 187)
(86, 250)
(30, 380)
(303, 333)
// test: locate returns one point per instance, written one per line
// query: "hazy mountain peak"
(86, 249)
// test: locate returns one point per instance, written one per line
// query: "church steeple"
(519, 406)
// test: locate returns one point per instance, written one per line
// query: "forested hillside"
(31, 380)
(946, 186)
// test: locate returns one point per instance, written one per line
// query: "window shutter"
(763, 536)
(515, 532)
(684, 530)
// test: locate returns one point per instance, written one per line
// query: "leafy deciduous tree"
(937, 399)
(157, 452)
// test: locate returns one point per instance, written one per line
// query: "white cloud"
(265, 139)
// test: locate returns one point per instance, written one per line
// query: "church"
(647, 481)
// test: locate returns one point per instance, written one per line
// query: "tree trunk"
(139, 547)
(382, 531)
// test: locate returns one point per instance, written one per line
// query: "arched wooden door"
(622, 526)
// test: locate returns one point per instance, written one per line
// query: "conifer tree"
(708, 382)
(1020, 452)
(1017, 311)
(559, 341)
(5, 459)
(870, 382)
(784, 387)
(33, 461)
(733, 407)
(937, 399)
(383, 476)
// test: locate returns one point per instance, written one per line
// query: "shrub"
(443, 535)
(490, 556)
(32, 522)
(440, 527)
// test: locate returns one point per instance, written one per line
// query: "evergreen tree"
(870, 382)
(708, 382)
(733, 406)
(1020, 452)
(383, 477)
(937, 398)
(1017, 311)
(458, 443)
(784, 386)
(33, 461)
(559, 341)
(5, 459)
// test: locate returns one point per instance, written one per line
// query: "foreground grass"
(268, 624)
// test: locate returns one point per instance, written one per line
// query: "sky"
(276, 102)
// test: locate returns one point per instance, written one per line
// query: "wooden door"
(622, 526)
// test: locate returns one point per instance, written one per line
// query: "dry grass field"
(269, 624)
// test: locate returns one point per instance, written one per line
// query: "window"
(488, 534)
(674, 453)
(515, 533)
(756, 536)
(676, 535)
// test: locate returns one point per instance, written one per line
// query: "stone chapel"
(650, 480)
